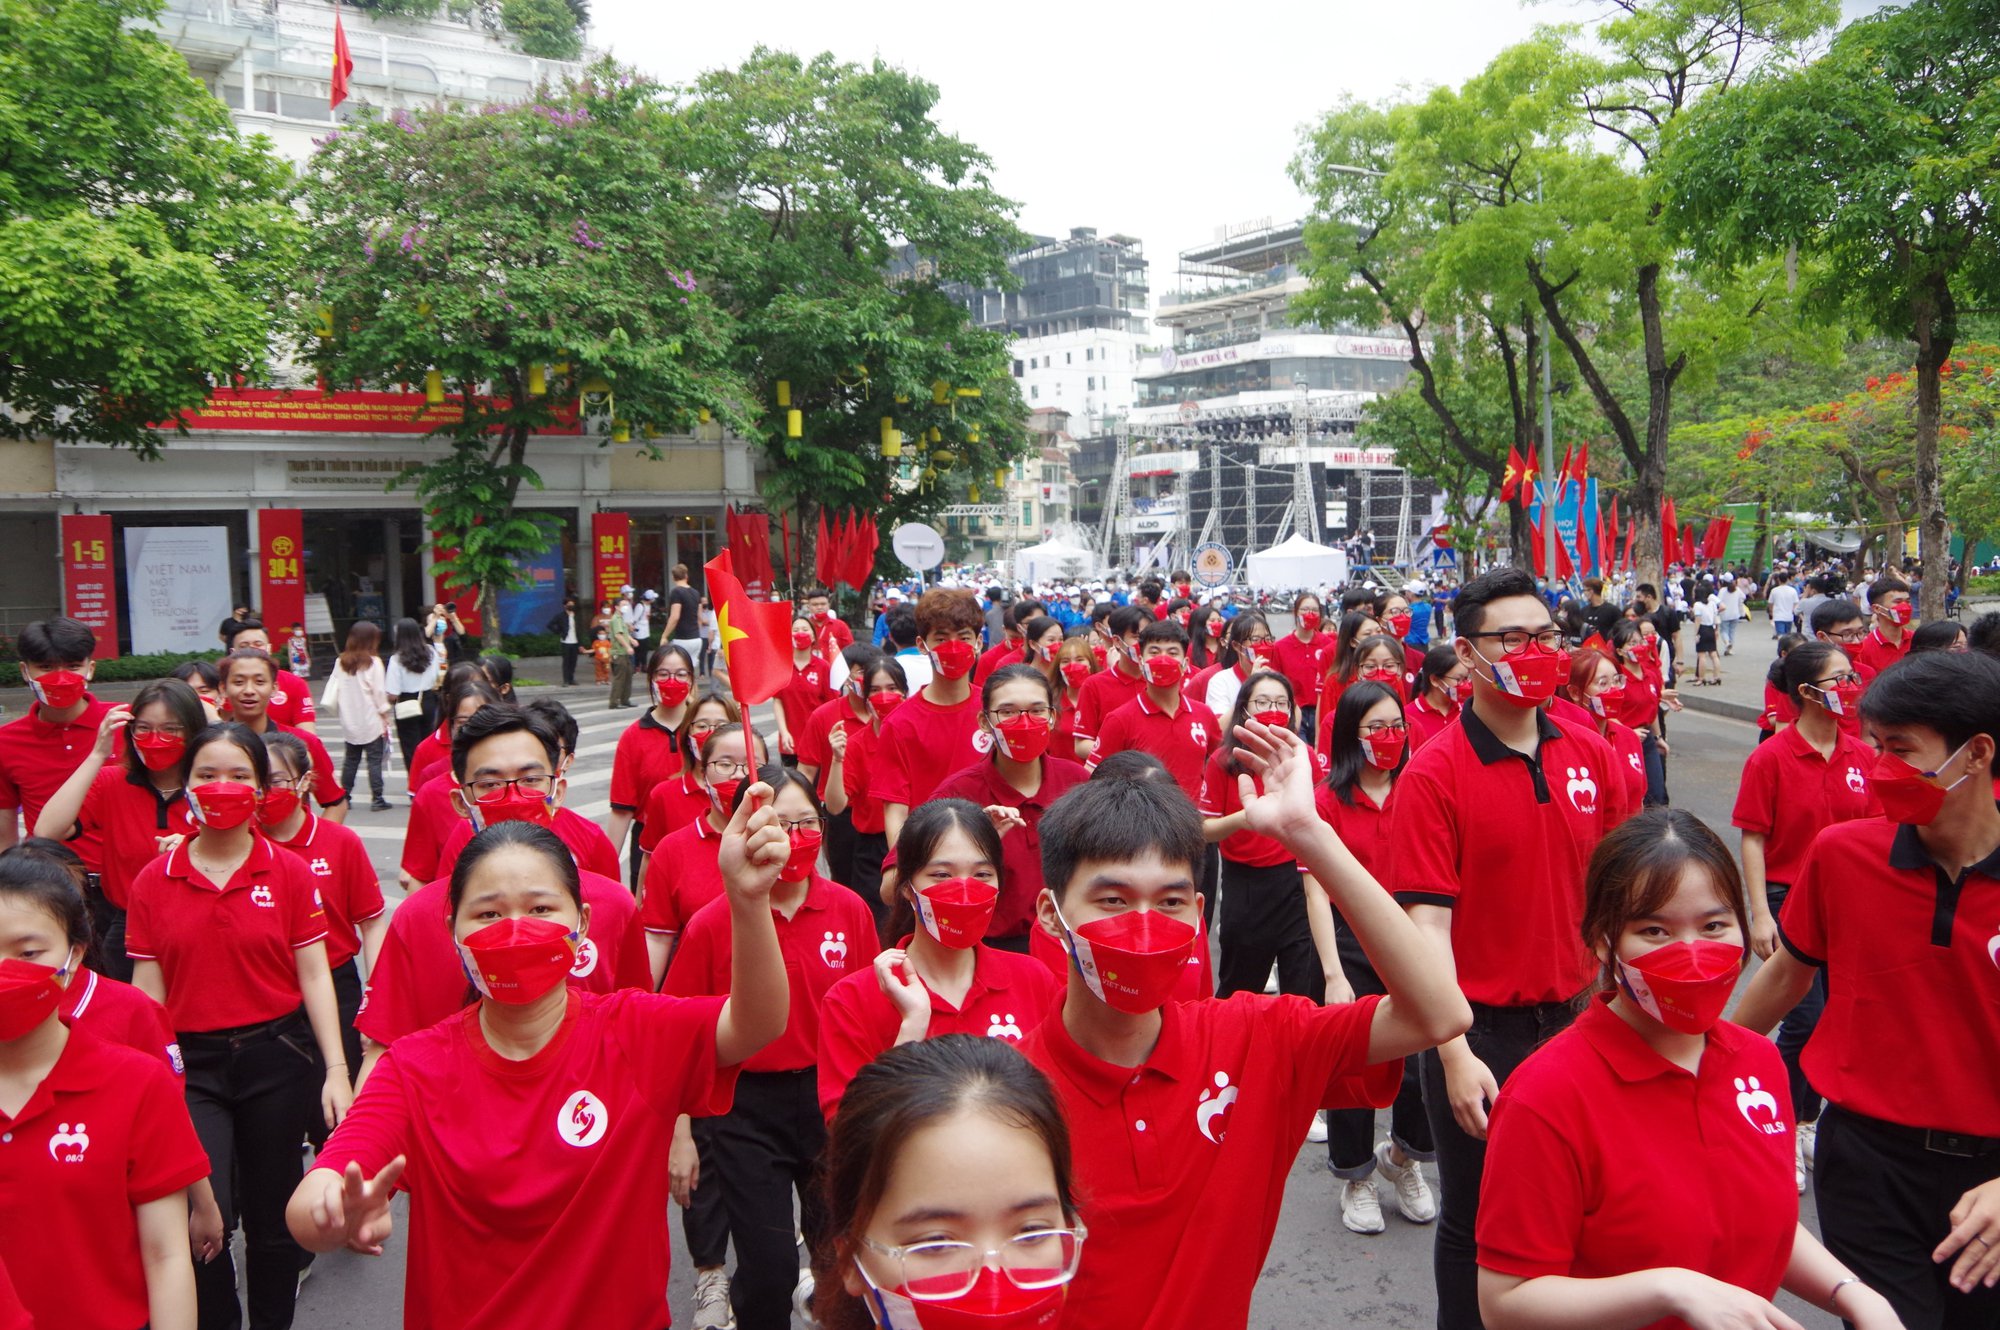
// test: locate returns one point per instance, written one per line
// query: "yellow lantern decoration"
(968, 392)
(538, 380)
(1000, 476)
(944, 456)
(972, 492)
(323, 316)
(621, 432)
(972, 435)
(929, 477)
(901, 399)
(892, 443)
(434, 387)
(936, 435)
(795, 424)
(940, 393)
(784, 392)
(702, 415)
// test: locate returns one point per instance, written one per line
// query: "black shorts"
(1704, 638)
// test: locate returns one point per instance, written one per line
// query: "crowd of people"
(998, 980)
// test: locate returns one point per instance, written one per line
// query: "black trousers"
(251, 1093)
(1263, 919)
(840, 846)
(570, 651)
(1350, 1132)
(768, 1147)
(1885, 1197)
(1502, 1038)
(1656, 769)
(351, 763)
(870, 849)
(704, 1222)
(1798, 1025)
(347, 988)
(410, 730)
(107, 940)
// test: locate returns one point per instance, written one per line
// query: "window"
(1027, 512)
(1017, 369)
(1068, 357)
(1035, 390)
(1090, 384)
(1089, 353)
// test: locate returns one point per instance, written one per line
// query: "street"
(1317, 1273)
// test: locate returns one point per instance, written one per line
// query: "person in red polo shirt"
(1075, 663)
(937, 731)
(1638, 1173)
(247, 680)
(1591, 695)
(1902, 913)
(685, 872)
(854, 754)
(291, 700)
(1301, 656)
(1247, 649)
(131, 810)
(680, 800)
(1443, 686)
(812, 685)
(649, 749)
(1015, 784)
(95, 1232)
(1888, 640)
(1638, 653)
(831, 635)
(258, 1022)
(586, 840)
(767, 1146)
(1011, 649)
(1160, 720)
(938, 978)
(432, 817)
(1118, 681)
(1376, 658)
(1493, 824)
(1812, 775)
(39, 751)
(847, 712)
(537, 1121)
(1187, 1117)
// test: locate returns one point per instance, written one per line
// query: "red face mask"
(1277, 720)
(1399, 624)
(956, 911)
(1130, 961)
(28, 993)
(1098, 651)
(278, 804)
(1261, 653)
(58, 690)
(1900, 615)
(802, 638)
(1074, 672)
(1163, 671)
(954, 658)
(1214, 626)
(1385, 748)
(1183, 618)
(1309, 620)
(725, 793)
(222, 804)
(1907, 795)
(994, 1302)
(804, 856)
(1683, 985)
(885, 701)
(514, 805)
(1461, 692)
(1023, 738)
(517, 961)
(1528, 677)
(157, 752)
(1842, 699)
(672, 692)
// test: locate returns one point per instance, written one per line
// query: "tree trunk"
(1760, 552)
(1935, 328)
(1520, 537)
(490, 637)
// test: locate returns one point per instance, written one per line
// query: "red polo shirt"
(1639, 704)
(13, 1315)
(326, 791)
(809, 688)
(120, 1014)
(1008, 652)
(684, 874)
(586, 841)
(1878, 653)
(1103, 693)
(1503, 840)
(1181, 1163)
(1789, 794)
(418, 979)
(1605, 1159)
(433, 754)
(36, 757)
(1778, 709)
(833, 638)
(431, 819)
(814, 748)
(920, 744)
(125, 819)
(1630, 751)
(1363, 827)
(858, 776)
(339, 864)
(69, 1192)
(1020, 847)
(1181, 739)
(648, 753)
(1425, 722)
(831, 935)
(226, 955)
(1009, 996)
(1304, 663)
(517, 1169)
(1911, 1032)
(673, 804)
(1220, 797)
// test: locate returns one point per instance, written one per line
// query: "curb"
(1716, 706)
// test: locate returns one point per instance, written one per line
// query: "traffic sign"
(918, 546)
(1213, 564)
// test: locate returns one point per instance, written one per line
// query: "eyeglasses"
(1257, 704)
(278, 782)
(1379, 727)
(799, 824)
(1849, 636)
(723, 768)
(487, 789)
(682, 675)
(160, 731)
(1836, 680)
(937, 1271)
(1001, 715)
(1548, 639)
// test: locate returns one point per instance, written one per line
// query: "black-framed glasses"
(278, 782)
(726, 768)
(799, 824)
(159, 731)
(936, 1271)
(488, 789)
(1849, 636)
(1851, 677)
(1513, 639)
(1383, 726)
(1001, 715)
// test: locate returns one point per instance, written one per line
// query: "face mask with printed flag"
(58, 690)
(517, 961)
(885, 700)
(1130, 961)
(279, 803)
(994, 1302)
(1527, 677)
(28, 993)
(957, 910)
(954, 658)
(1074, 672)
(1908, 795)
(671, 692)
(804, 856)
(1683, 985)
(222, 804)
(513, 804)
(1163, 671)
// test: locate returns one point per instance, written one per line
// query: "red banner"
(90, 583)
(749, 540)
(463, 599)
(610, 552)
(308, 409)
(281, 574)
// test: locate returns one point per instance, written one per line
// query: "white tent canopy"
(1297, 562)
(1053, 560)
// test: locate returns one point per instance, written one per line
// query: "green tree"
(563, 244)
(1879, 161)
(144, 244)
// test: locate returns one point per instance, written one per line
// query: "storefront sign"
(281, 580)
(283, 409)
(528, 609)
(345, 473)
(177, 580)
(90, 587)
(610, 539)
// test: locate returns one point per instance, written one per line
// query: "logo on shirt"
(1993, 950)
(982, 741)
(1000, 1026)
(261, 895)
(582, 1120)
(321, 868)
(586, 959)
(1637, 765)
(279, 698)
(1212, 1109)
(1582, 790)
(1857, 782)
(1753, 1099)
(67, 1144)
(174, 1060)
(1198, 732)
(833, 951)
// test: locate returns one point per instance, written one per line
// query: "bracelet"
(1833, 1294)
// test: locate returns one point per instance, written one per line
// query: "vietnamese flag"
(1510, 480)
(343, 61)
(755, 635)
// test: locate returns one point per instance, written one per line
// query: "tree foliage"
(144, 244)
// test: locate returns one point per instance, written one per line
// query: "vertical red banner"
(610, 553)
(281, 572)
(464, 599)
(90, 583)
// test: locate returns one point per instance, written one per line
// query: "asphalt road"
(1317, 1273)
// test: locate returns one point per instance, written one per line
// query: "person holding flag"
(752, 635)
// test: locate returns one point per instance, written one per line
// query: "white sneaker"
(802, 1298)
(1413, 1195)
(1805, 1142)
(711, 1301)
(1360, 1208)
(1271, 980)
(1316, 1134)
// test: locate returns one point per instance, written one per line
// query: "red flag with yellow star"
(755, 635)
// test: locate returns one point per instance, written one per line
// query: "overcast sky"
(1161, 121)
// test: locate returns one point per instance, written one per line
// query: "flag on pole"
(754, 635)
(1510, 480)
(1669, 532)
(1528, 473)
(343, 60)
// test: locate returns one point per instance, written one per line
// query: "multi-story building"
(366, 547)
(1033, 504)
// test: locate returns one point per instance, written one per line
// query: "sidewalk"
(1741, 696)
